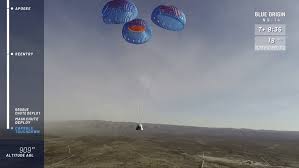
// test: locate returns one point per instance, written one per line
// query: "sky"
(206, 75)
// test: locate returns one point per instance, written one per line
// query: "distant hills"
(108, 128)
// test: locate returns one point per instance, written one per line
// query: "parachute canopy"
(169, 17)
(137, 31)
(119, 12)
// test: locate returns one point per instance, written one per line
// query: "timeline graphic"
(23, 61)
(22, 107)
(8, 64)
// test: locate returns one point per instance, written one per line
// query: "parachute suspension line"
(140, 113)
(145, 94)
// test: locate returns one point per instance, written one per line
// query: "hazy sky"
(206, 75)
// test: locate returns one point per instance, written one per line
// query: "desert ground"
(103, 144)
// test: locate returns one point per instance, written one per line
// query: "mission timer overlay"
(22, 84)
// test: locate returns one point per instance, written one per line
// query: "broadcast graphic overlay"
(22, 84)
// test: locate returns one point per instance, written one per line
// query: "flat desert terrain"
(102, 144)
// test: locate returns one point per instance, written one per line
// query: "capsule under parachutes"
(169, 17)
(119, 12)
(139, 127)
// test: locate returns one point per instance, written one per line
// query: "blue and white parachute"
(169, 18)
(119, 12)
(137, 31)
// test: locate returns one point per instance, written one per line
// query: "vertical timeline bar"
(7, 64)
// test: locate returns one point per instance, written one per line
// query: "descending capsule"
(137, 31)
(169, 17)
(119, 12)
